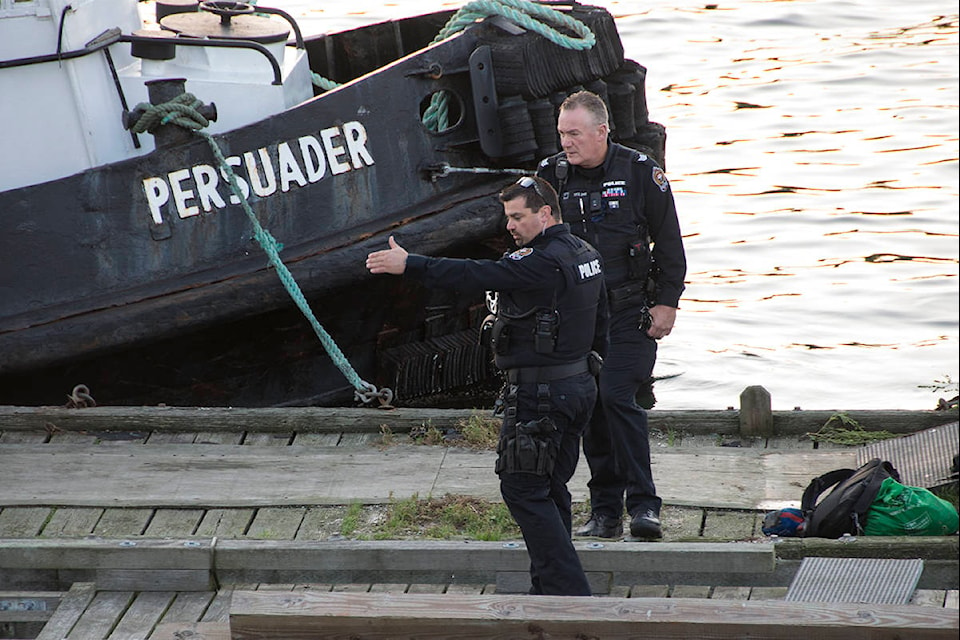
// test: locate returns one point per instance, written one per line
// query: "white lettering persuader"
(290, 164)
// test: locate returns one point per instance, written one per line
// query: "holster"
(531, 447)
(632, 294)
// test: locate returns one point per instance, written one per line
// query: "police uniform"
(551, 312)
(623, 207)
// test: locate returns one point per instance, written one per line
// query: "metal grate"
(923, 459)
(867, 580)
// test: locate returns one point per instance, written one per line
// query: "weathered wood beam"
(400, 420)
(378, 616)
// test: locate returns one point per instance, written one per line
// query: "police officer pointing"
(550, 315)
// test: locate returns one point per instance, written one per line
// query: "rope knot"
(182, 110)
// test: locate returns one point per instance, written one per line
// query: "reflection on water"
(813, 150)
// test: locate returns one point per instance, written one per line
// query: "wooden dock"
(153, 522)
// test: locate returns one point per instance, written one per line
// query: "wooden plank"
(685, 523)
(730, 593)
(72, 606)
(219, 437)
(475, 589)
(119, 523)
(181, 476)
(321, 523)
(389, 587)
(426, 588)
(23, 437)
(174, 523)
(649, 591)
(101, 615)
(768, 593)
(459, 557)
(72, 522)
(192, 630)
(928, 597)
(730, 525)
(429, 616)
(157, 579)
(142, 615)
(187, 607)
(95, 553)
(215, 475)
(268, 439)
(324, 419)
(276, 523)
(225, 523)
(171, 437)
(317, 439)
(690, 591)
(952, 601)
(219, 609)
(22, 522)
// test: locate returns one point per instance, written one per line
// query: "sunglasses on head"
(526, 182)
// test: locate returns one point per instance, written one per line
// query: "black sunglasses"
(526, 182)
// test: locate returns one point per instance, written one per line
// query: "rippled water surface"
(813, 151)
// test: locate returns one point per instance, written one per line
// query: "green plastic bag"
(899, 510)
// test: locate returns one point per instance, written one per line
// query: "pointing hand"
(392, 260)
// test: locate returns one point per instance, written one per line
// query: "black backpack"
(844, 509)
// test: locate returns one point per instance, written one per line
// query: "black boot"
(645, 524)
(601, 526)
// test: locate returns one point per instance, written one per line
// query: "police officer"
(550, 314)
(619, 200)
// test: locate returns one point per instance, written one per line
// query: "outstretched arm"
(392, 260)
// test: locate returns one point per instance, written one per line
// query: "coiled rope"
(532, 16)
(183, 111)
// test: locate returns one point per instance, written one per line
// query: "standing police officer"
(551, 312)
(619, 200)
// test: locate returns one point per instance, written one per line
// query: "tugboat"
(186, 202)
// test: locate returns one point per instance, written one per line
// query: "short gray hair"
(590, 101)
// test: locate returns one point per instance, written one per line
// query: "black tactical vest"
(553, 325)
(607, 212)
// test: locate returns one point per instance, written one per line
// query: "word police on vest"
(589, 269)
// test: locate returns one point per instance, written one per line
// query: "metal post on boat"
(160, 92)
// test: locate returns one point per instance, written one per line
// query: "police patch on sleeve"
(660, 178)
(520, 254)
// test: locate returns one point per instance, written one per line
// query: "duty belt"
(523, 375)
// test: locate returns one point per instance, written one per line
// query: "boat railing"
(114, 35)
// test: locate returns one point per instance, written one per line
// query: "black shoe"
(646, 524)
(600, 526)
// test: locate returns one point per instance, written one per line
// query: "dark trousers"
(617, 442)
(541, 504)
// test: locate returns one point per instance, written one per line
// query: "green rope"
(182, 111)
(530, 15)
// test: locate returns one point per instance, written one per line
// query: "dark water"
(813, 150)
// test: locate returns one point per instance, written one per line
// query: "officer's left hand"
(662, 318)
(392, 260)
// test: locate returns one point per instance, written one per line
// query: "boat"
(186, 198)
